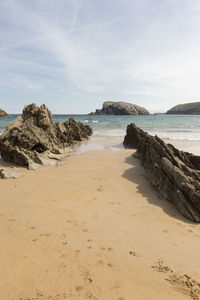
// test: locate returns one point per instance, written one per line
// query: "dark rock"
(2, 113)
(185, 109)
(174, 174)
(120, 108)
(33, 138)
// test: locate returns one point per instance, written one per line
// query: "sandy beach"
(93, 229)
(99, 150)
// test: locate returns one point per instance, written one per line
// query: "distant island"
(2, 113)
(120, 108)
(185, 109)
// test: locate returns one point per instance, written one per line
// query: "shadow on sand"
(136, 174)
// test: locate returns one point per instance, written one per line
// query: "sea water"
(173, 127)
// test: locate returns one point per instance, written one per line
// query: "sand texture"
(94, 229)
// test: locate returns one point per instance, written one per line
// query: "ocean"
(173, 127)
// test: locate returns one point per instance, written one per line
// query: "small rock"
(9, 172)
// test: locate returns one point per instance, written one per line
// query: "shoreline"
(111, 143)
(96, 142)
(92, 229)
(115, 143)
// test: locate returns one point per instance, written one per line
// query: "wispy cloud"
(145, 52)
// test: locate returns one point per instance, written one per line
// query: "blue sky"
(73, 55)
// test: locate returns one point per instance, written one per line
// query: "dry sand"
(92, 229)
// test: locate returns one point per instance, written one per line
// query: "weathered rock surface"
(120, 108)
(2, 113)
(185, 109)
(33, 138)
(9, 172)
(174, 174)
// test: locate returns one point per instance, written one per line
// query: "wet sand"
(116, 143)
(93, 229)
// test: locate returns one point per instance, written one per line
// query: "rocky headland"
(33, 139)
(174, 174)
(120, 108)
(2, 113)
(185, 109)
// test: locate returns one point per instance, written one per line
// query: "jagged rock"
(185, 109)
(32, 138)
(120, 108)
(2, 113)
(9, 172)
(174, 174)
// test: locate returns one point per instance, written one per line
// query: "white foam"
(177, 135)
(110, 132)
(91, 121)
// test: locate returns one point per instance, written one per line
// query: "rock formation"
(185, 109)
(120, 108)
(9, 172)
(33, 138)
(174, 174)
(2, 113)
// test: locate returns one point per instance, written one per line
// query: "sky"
(73, 55)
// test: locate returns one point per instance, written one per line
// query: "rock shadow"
(137, 175)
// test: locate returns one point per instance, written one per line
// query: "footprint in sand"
(73, 222)
(100, 189)
(132, 253)
(101, 262)
(79, 288)
(109, 265)
(102, 248)
(87, 277)
(110, 249)
(12, 220)
(101, 178)
(45, 234)
(89, 295)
